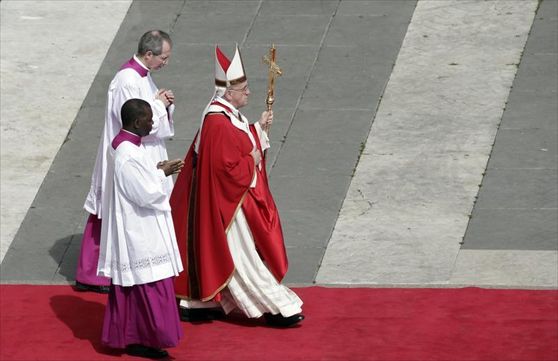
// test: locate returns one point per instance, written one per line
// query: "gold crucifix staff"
(273, 72)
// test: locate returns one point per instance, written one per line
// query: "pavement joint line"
(296, 15)
(364, 110)
(251, 26)
(426, 285)
(519, 209)
(177, 16)
(78, 228)
(422, 258)
(334, 285)
(498, 268)
(511, 168)
(267, 44)
(19, 109)
(299, 99)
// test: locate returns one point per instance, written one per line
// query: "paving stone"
(365, 30)
(408, 203)
(337, 58)
(210, 8)
(513, 229)
(503, 268)
(377, 8)
(531, 109)
(525, 148)
(538, 71)
(304, 262)
(289, 30)
(519, 189)
(544, 33)
(193, 28)
(298, 8)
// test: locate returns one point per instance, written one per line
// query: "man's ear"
(227, 95)
(136, 123)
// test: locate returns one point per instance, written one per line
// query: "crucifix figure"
(273, 72)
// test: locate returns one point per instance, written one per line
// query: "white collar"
(235, 111)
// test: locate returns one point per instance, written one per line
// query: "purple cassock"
(89, 254)
(141, 314)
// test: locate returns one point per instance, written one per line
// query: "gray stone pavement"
(512, 235)
(408, 206)
(43, 86)
(338, 58)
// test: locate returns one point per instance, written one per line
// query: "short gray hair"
(153, 41)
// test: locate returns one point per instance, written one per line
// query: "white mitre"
(228, 72)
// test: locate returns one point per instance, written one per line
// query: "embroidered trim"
(223, 83)
(142, 263)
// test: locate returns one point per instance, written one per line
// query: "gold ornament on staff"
(273, 72)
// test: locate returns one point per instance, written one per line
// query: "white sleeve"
(163, 126)
(262, 134)
(143, 186)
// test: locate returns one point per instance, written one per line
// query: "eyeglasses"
(164, 58)
(242, 90)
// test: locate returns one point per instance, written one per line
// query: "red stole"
(208, 196)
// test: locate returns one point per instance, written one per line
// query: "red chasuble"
(208, 192)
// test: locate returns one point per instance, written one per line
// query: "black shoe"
(146, 351)
(200, 314)
(279, 320)
(82, 287)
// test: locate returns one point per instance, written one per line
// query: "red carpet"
(56, 323)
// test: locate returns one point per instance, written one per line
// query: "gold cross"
(273, 72)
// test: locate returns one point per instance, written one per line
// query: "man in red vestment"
(226, 221)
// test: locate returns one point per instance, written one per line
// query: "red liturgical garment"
(206, 196)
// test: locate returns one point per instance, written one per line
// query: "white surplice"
(138, 242)
(128, 84)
